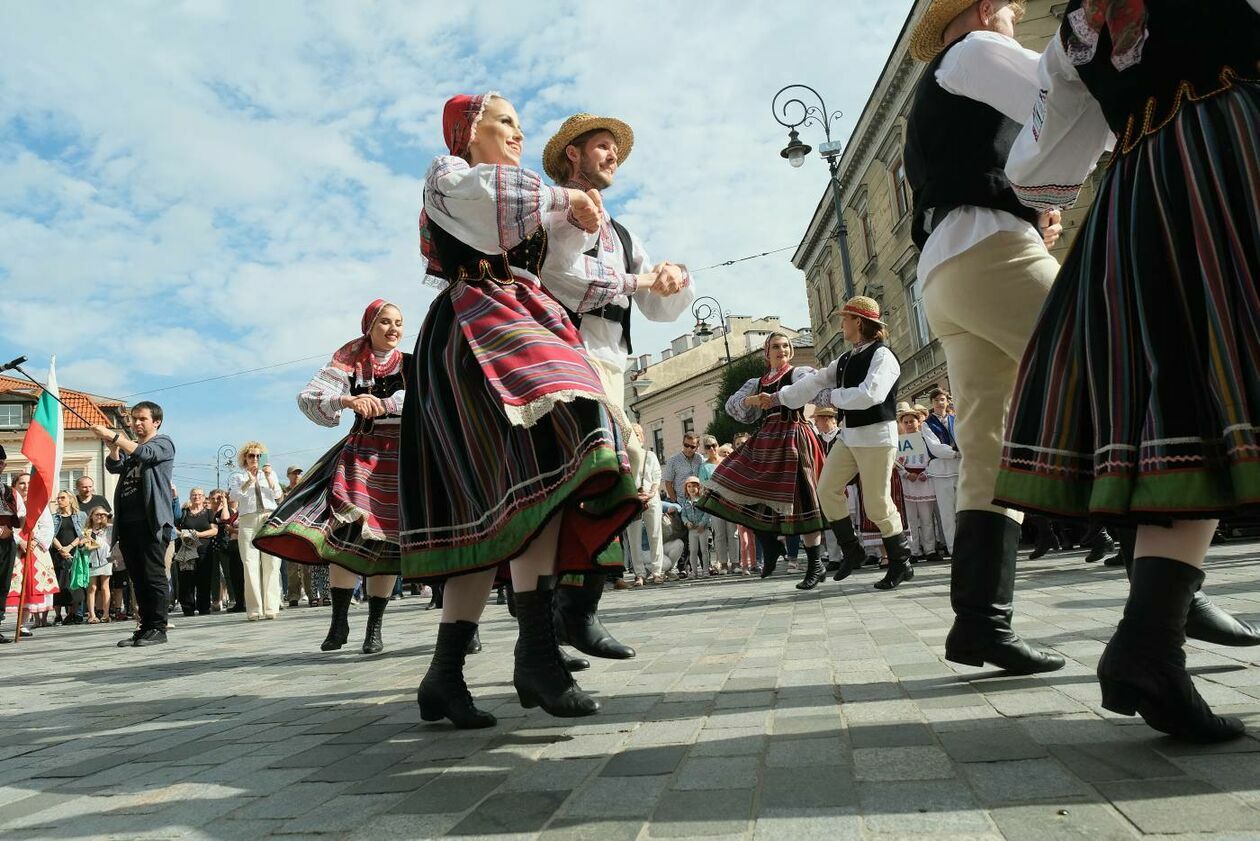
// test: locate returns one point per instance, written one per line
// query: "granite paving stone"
(752, 711)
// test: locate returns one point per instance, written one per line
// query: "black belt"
(612, 312)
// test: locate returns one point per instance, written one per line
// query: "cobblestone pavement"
(752, 711)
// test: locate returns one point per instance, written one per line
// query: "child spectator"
(917, 492)
(697, 523)
(98, 540)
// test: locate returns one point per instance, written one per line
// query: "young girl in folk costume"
(344, 510)
(98, 540)
(770, 484)
(1138, 401)
(509, 443)
(861, 384)
(919, 500)
(43, 584)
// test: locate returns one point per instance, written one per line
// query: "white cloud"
(192, 188)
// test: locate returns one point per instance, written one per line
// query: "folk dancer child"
(862, 385)
(1137, 395)
(344, 510)
(770, 484)
(508, 450)
(920, 500)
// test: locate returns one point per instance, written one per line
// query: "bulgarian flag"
(43, 447)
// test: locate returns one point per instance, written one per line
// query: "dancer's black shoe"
(897, 548)
(852, 555)
(574, 664)
(474, 644)
(435, 600)
(578, 623)
(339, 628)
(814, 572)
(443, 692)
(771, 550)
(372, 642)
(540, 677)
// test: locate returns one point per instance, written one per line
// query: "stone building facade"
(877, 203)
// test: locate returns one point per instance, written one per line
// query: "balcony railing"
(925, 360)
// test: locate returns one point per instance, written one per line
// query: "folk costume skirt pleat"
(771, 483)
(1139, 395)
(476, 488)
(345, 508)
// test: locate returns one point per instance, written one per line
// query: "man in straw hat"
(585, 154)
(985, 271)
(862, 385)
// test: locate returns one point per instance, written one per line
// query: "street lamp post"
(702, 312)
(223, 459)
(796, 151)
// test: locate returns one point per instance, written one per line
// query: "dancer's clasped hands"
(587, 209)
(761, 401)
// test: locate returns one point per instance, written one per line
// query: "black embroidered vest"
(383, 387)
(850, 372)
(461, 261)
(956, 151)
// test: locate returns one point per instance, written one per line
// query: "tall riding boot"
(1204, 620)
(339, 629)
(443, 692)
(981, 591)
(372, 643)
(897, 548)
(1143, 668)
(850, 548)
(474, 644)
(578, 625)
(771, 550)
(814, 572)
(540, 677)
(435, 601)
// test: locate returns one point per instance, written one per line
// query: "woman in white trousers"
(256, 491)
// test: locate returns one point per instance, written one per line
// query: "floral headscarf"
(357, 358)
(1124, 19)
(460, 116)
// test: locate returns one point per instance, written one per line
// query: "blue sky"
(189, 189)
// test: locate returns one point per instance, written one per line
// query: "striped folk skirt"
(1138, 397)
(476, 488)
(771, 483)
(345, 508)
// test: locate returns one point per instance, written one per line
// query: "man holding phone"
(256, 491)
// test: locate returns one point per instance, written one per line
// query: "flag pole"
(44, 388)
(28, 568)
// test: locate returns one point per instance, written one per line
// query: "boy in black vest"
(862, 386)
(985, 271)
(585, 154)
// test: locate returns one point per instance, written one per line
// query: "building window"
(69, 477)
(901, 187)
(658, 443)
(868, 233)
(10, 415)
(920, 332)
(689, 426)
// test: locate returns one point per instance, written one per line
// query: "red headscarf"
(357, 358)
(1124, 19)
(771, 377)
(460, 116)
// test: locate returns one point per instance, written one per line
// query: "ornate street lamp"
(702, 312)
(223, 459)
(784, 109)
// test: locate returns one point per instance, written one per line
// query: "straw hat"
(554, 161)
(905, 409)
(825, 412)
(928, 38)
(863, 307)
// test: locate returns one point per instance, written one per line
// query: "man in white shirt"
(647, 562)
(985, 271)
(585, 154)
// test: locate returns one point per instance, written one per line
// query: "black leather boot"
(1204, 620)
(574, 664)
(443, 692)
(1100, 545)
(814, 572)
(339, 628)
(1045, 537)
(897, 548)
(578, 625)
(372, 642)
(540, 677)
(500, 595)
(771, 550)
(981, 591)
(435, 601)
(474, 644)
(1143, 668)
(852, 554)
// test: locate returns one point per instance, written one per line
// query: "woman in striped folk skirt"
(1138, 401)
(344, 510)
(770, 484)
(511, 450)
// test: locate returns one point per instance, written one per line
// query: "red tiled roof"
(77, 400)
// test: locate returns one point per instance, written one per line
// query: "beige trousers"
(983, 305)
(874, 465)
(262, 571)
(615, 388)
